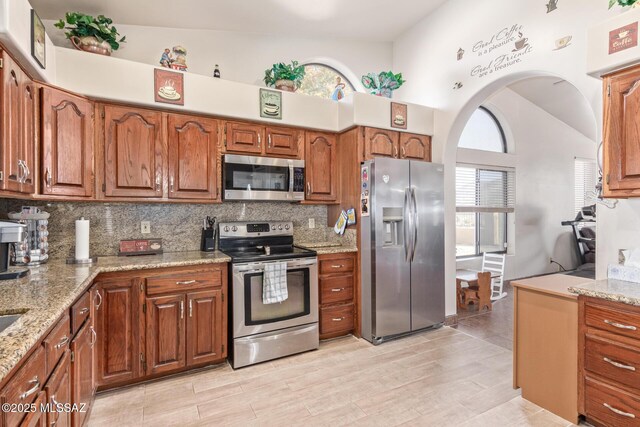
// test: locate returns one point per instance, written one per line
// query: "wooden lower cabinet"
(165, 333)
(206, 327)
(37, 418)
(609, 359)
(337, 294)
(82, 385)
(58, 391)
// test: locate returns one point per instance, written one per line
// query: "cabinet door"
(192, 157)
(321, 168)
(37, 418)
(621, 133)
(133, 152)
(29, 110)
(82, 388)
(165, 333)
(283, 142)
(117, 351)
(67, 144)
(380, 143)
(415, 147)
(244, 138)
(58, 391)
(205, 327)
(12, 126)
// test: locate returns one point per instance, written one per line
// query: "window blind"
(480, 189)
(585, 182)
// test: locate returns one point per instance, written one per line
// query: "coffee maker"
(10, 232)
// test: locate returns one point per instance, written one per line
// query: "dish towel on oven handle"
(274, 286)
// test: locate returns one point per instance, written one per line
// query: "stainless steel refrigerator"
(402, 214)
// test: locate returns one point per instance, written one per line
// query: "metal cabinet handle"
(620, 325)
(84, 310)
(396, 150)
(618, 411)
(269, 138)
(94, 336)
(47, 177)
(404, 152)
(337, 289)
(337, 266)
(190, 308)
(308, 188)
(619, 365)
(21, 173)
(171, 184)
(158, 183)
(338, 319)
(259, 140)
(186, 282)
(27, 171)
(182, 309)
(36, 386)
(99, 300)
(55, 405)
(62, 343)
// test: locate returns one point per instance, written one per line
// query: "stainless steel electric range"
(262, 332)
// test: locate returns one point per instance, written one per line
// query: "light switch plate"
(312, 223)
(145, 227)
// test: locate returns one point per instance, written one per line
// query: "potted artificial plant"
(286, 77)
(624, 3)
(383, 84)
(90, 34)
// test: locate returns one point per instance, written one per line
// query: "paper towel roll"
(82, 238)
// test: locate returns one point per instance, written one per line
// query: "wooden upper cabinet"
(133, 152)
(118, 358)
(19, 134)
(193, 156)
(67, 144)
(283, 141)
(244, 138)
(205, 330)
(321, 167)
(622, 134)
(165, 333)
(380, 143)
(415, 147)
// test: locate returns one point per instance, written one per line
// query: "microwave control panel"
(298, 180)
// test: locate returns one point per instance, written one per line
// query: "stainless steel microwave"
(262, 178)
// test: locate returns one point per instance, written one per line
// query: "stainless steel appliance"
(402, 248)
(262, 178)
(261, 332)
(10, 232)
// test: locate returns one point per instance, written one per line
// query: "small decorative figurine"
(338, 92)
(216, 72)
(180, 61)
(166, 58)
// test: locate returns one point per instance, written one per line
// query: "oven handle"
(253, 268)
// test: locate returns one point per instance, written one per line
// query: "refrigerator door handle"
(414, 223)
(406, 217)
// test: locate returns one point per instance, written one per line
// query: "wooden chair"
(494, 263)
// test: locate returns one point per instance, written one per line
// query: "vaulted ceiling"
(371, 20)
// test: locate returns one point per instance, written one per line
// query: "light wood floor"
(440, 378)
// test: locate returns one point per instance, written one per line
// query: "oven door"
(262, 178)
(251, 316)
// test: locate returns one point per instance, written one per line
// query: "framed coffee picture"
(271, 104)
(398, 115)
(38, 40)
(168, 86)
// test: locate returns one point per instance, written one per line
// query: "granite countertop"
(555, 284)
(611, 290)
(325, 248)
(50, 289)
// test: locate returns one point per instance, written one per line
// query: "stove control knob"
(280, 227)
(273, 227)
(226, 228)
(234, 228)
(286, 227)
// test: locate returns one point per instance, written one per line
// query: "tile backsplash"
(178, 225)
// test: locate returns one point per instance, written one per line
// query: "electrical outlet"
(312, 223)
(145, 227)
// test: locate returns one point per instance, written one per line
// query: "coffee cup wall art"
(398, 115)
(168, 87)
(271, 104)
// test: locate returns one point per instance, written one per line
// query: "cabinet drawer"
(620, 322)
(336, 319)
(184, 281)
(56, 343)
(336, 289)
(611, 406)
(25, 385)
(613, 361)
(80, 311)
(336, 265)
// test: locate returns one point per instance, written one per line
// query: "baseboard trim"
(451, 320)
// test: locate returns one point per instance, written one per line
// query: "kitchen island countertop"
(50, 289)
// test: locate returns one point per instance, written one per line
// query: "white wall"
(426, 54)
(543, 156)
(243, 57)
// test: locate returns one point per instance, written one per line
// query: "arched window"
(483, 132)
(325, 82)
